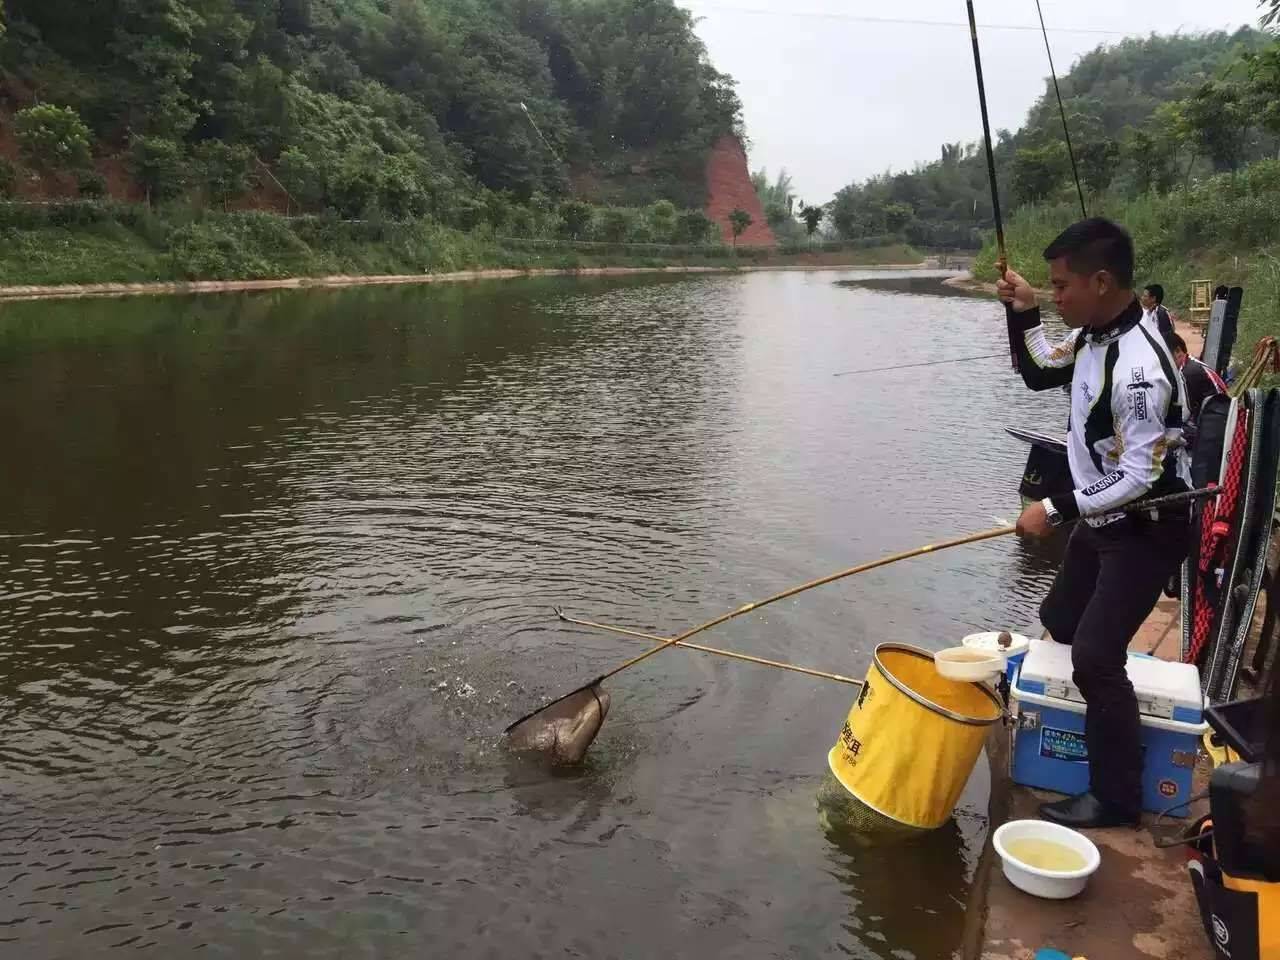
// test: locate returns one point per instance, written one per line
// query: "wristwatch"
(1050, 511)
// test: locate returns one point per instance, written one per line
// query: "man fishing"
(1124, 445)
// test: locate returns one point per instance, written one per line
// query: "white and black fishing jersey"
(1127, 406)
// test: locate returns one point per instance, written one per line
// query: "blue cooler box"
(1048, 746)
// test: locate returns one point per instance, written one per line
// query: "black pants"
(1109, 582)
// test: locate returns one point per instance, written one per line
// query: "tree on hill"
(1264, 81)
(776, 196)
(52, 139)
(576, 217)
(157, 164)
(739, 220)
(662, 218)
(1097, 163)
(223, 169)
(1219, 118)
(1037, 170)
(812, 216)
(693, 226)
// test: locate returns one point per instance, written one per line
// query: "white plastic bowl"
(966, 663)
(1050, 884)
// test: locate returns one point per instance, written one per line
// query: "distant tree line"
(1146, 115)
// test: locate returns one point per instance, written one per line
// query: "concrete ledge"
(1138, 906)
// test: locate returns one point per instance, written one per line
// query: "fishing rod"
(927, 363)
(1062, 111)
(1002, 258)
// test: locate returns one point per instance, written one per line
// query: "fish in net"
(563, 730)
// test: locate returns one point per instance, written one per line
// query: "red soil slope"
(729, 187)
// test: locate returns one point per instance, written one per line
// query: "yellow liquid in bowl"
(1045, 854)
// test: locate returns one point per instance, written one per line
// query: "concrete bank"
(1138, 906)
(65, 291)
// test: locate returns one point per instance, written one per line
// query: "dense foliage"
(1149, 114)
(406, 107)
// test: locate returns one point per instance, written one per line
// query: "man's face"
(1179, 357)
(1077, 296)
(1147, 300)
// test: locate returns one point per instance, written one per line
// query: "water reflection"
(907, 894)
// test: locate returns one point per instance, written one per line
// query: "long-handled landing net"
(566, 727)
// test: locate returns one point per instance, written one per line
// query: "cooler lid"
(1164, 688)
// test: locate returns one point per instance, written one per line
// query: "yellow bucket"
(912, 738)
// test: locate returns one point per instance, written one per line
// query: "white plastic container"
(1049, 884)
(990, 641)
(969, 664)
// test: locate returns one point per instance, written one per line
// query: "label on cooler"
(1058, 744)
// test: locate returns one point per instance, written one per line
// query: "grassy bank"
(83, 243)
(1225, 229)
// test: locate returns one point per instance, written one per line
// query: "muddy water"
(275, 569)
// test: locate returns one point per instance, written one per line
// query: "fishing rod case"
(1230, 534)
(1220, 335)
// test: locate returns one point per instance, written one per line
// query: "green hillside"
(1148, 114)
(404, 107)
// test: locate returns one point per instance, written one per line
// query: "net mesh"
(841, 811)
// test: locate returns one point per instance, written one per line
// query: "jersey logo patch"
(1139, 404)
(1138, 379)
(1110, 480)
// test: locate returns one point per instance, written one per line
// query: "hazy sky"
(835, 98)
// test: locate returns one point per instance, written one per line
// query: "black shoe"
(1086, 810)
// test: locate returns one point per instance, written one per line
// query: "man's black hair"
(1156, 291)
(1092, 245)
(1175, 342)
